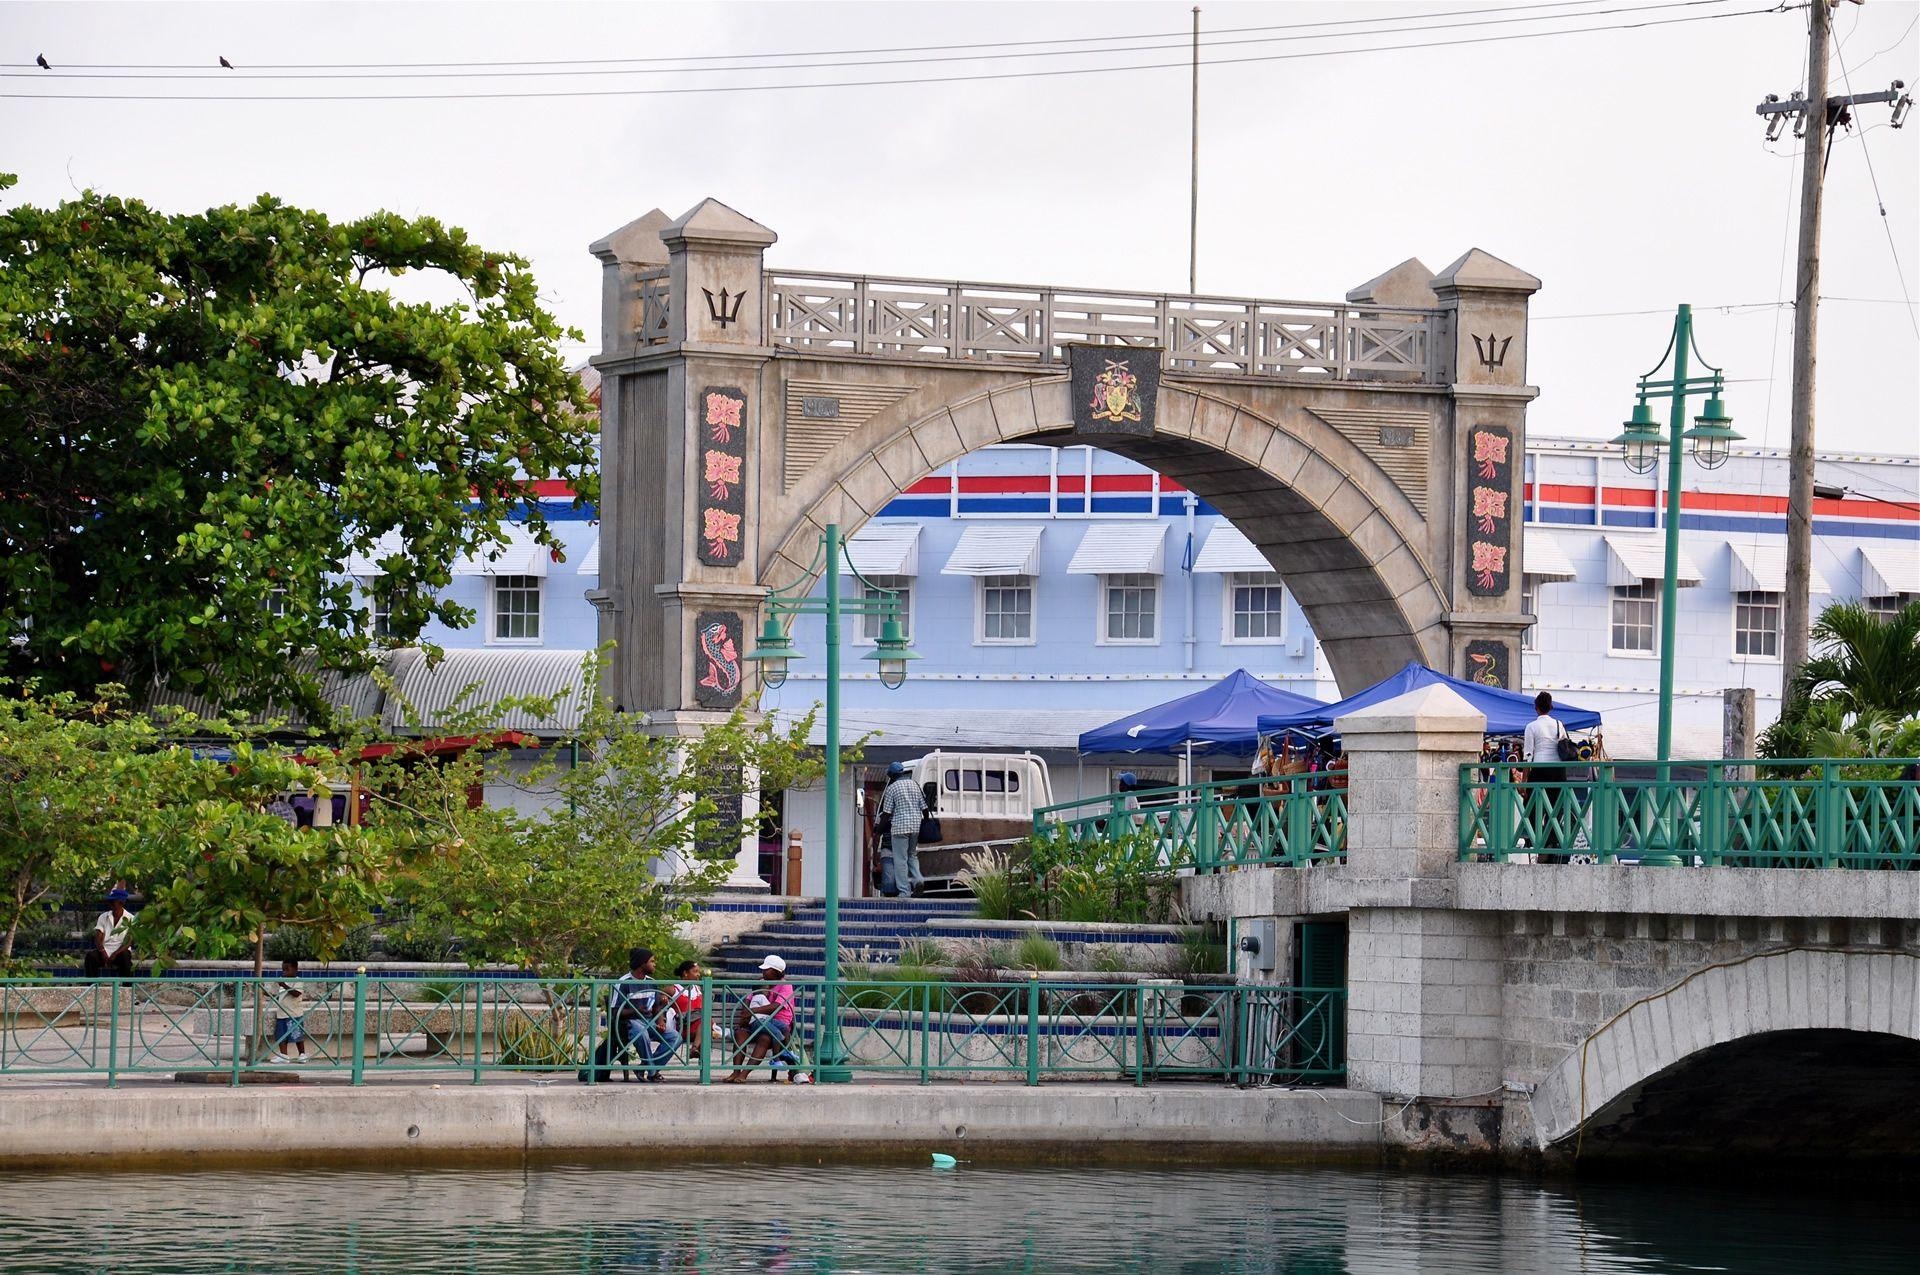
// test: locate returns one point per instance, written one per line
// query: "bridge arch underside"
(1347, 542)
(1791, 1057)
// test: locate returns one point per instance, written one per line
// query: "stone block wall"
(1424, 1002)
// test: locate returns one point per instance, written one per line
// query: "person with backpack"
(1546, 747)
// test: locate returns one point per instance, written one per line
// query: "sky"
(1625, 168)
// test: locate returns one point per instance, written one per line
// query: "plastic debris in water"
(943, 1161)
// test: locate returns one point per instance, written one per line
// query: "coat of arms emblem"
(1116, 393)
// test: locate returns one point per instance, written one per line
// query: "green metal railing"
(1226, 823)
(1716, 813)
(475, 1028)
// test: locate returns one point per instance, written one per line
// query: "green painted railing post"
(1826, 815)
(1206, 839)
(1033, 1027)
(479, 1011)
(926, 1033)
(1298, 813)
(359, 1025)
(706, 1028)
(113, 1035)
(1713, 817)
(1139, 1034)
(1501, 817)
(234, 1072)
(1605, 837)
(593, 1033)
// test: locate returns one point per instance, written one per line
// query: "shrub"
(922, 952)
(296, 943)
(1106, 959)
(1000, 893)
(1037, 952)
(1197, 953)
(525, 1041)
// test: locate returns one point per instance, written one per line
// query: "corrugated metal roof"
(518, 554)
(1547, 560)
(1643, 559)
(1121, 548)
(1889, 569)
(886, 549)
(353, 695)
(1229, 551)
(996, 549)
(465, 680)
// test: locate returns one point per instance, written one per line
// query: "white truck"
(982, 801)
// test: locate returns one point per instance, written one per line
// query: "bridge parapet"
(1033, 324)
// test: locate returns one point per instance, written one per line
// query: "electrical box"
(1257, 942)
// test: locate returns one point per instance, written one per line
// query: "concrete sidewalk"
(154, 1123)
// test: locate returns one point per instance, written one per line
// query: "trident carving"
(725, 308)
(1491, 349)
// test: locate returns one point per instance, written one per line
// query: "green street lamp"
(890, 654)
(1640, 441)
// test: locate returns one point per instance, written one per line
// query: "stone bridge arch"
(1778, 995)
(1372, 447)
(1349, 542)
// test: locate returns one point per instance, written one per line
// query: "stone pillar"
(1479, 462)
(1423, 980)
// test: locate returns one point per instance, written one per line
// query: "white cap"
(774, 963)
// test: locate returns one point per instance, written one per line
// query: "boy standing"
(290, 1021)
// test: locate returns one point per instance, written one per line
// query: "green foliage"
(1859, 695)
(1199, 952)
(1072, 877)
(403, 940)
(1105, 959)
(924, 953)
(296, 943)
(633, 836)
(999, 892)
(535, 1043)
(1036, 952)
(202, 412)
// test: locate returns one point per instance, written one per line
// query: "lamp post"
(773, 649)
(1712, 436)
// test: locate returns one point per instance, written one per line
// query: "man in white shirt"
(111, 953)
(1540, 746)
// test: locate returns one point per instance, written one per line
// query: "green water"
(877, 1218)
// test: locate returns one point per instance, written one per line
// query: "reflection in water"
(883, 1218)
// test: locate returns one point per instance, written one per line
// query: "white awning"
(1763, 569)
(1121, 548)
(1889, 569)
(519, 554)
(1228, 551)
(590, 560)
(886, 549)
(987, 549)
(1546, 557)
(1643, 560)
(368, 563)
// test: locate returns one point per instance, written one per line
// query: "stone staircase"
(871, 933)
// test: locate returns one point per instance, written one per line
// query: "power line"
(1899, 271)
(584, 69)
(870, 83)
(816, 53)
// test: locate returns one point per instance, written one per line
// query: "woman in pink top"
(765, 1023)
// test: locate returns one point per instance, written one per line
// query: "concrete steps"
(871, 930)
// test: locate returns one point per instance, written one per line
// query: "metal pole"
(1806, 307)
(832, 1069)
(1676, 425)
(1193, 186)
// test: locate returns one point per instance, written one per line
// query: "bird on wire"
(227, 64)
(41, 58)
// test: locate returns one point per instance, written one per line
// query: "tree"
(1858, 693)
(203, 416)
(76, 777)
(633, 835)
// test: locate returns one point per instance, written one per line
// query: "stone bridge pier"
(1597, 1011)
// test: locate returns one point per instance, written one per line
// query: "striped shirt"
(905, 804)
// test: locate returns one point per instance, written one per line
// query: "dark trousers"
(120, 964)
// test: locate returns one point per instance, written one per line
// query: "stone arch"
(1795, 990)
(1346, 539)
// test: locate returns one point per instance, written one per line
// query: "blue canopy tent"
(1508, 712)
(1222, 719)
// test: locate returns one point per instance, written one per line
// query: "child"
(687, 1006)
(289, 1025)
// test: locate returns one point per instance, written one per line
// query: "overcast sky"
(1626, 168)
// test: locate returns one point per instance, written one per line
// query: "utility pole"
(1193, 185)
(1814, 127)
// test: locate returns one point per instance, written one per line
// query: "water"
(908, 1217)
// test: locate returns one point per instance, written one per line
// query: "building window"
(1256, 607)
(276, 602)
(1132, 608)
(1006, 609)
(1885, 607)
(878, 586)
(516, 609)
(1756, 625)
(1529, 599)
(1635, 616)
